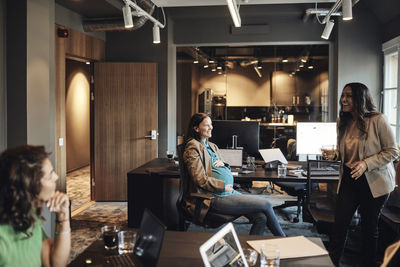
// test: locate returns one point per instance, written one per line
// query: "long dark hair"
(195, 122)
(363, 106)
(20, 185)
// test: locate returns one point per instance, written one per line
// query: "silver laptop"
(223, 249)
(234, 157)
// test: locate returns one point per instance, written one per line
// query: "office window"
(391, 85)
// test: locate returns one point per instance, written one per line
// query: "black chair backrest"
(183, 184)
(291, 149)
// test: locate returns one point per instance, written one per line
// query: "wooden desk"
(155, 186)
(182, 249)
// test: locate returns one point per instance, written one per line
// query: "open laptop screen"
(223, 249)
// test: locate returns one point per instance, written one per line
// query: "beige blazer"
(378, 150)
(198, 163)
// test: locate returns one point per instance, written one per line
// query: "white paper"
(273, 154)
(291, 247)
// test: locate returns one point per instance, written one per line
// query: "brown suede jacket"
(198, 163)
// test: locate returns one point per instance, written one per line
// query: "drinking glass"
(251, 256)
(272, 255)
(281, 170)
(170, 155)
(251, 163)
(110, 236)
(126, 241)
(328, 151)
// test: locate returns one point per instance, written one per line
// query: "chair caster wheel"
(295, 220)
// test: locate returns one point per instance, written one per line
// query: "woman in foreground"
(211, 176)
(27, 182)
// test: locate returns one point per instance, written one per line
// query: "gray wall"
(30, 78)
(3, 102)
(16, 69)
(70, 19)
(137, 46)
(359, 52)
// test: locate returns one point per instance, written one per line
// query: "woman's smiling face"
(346, 100)
(204, 129)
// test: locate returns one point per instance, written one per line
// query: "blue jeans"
(355, 194)
(257, 209)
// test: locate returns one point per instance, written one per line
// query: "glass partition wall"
(274, 84)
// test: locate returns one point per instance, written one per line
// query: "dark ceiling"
(385, 10)
(91, 8)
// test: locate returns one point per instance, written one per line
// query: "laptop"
(234, 157)
(147, 247)
(223, 249)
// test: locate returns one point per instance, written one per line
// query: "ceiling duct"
(117, 24)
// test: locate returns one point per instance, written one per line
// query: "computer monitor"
(312, 136)
(247, 133)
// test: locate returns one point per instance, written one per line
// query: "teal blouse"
(222, 173)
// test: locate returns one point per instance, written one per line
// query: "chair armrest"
(202, 196)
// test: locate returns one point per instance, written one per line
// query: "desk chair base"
(291, 203)
(271, 187)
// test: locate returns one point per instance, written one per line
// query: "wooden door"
(125, 111)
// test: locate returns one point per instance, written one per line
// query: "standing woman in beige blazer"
(367, 149)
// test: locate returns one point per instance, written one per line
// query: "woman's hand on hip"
(218, 163)
(357, 169)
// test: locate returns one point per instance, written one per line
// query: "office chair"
(320, 206)
(212, 219)
(298, 190)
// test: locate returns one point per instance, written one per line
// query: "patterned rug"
(78, 187)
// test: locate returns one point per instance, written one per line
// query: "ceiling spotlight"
(234, 12)
(219, 67)
(87, 62)
(310, 65)
(214, 69)
(303, 59)
(219, 72)
(259, 65)
(258, 71)
(196, 61)
(285, 59)
(301, 65)
(156, 34)
(347, 9)
(293, 73)
(127, 12)
(211, 61)
(328, 29)
(205, 66)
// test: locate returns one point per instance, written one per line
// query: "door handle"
(153, 135)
